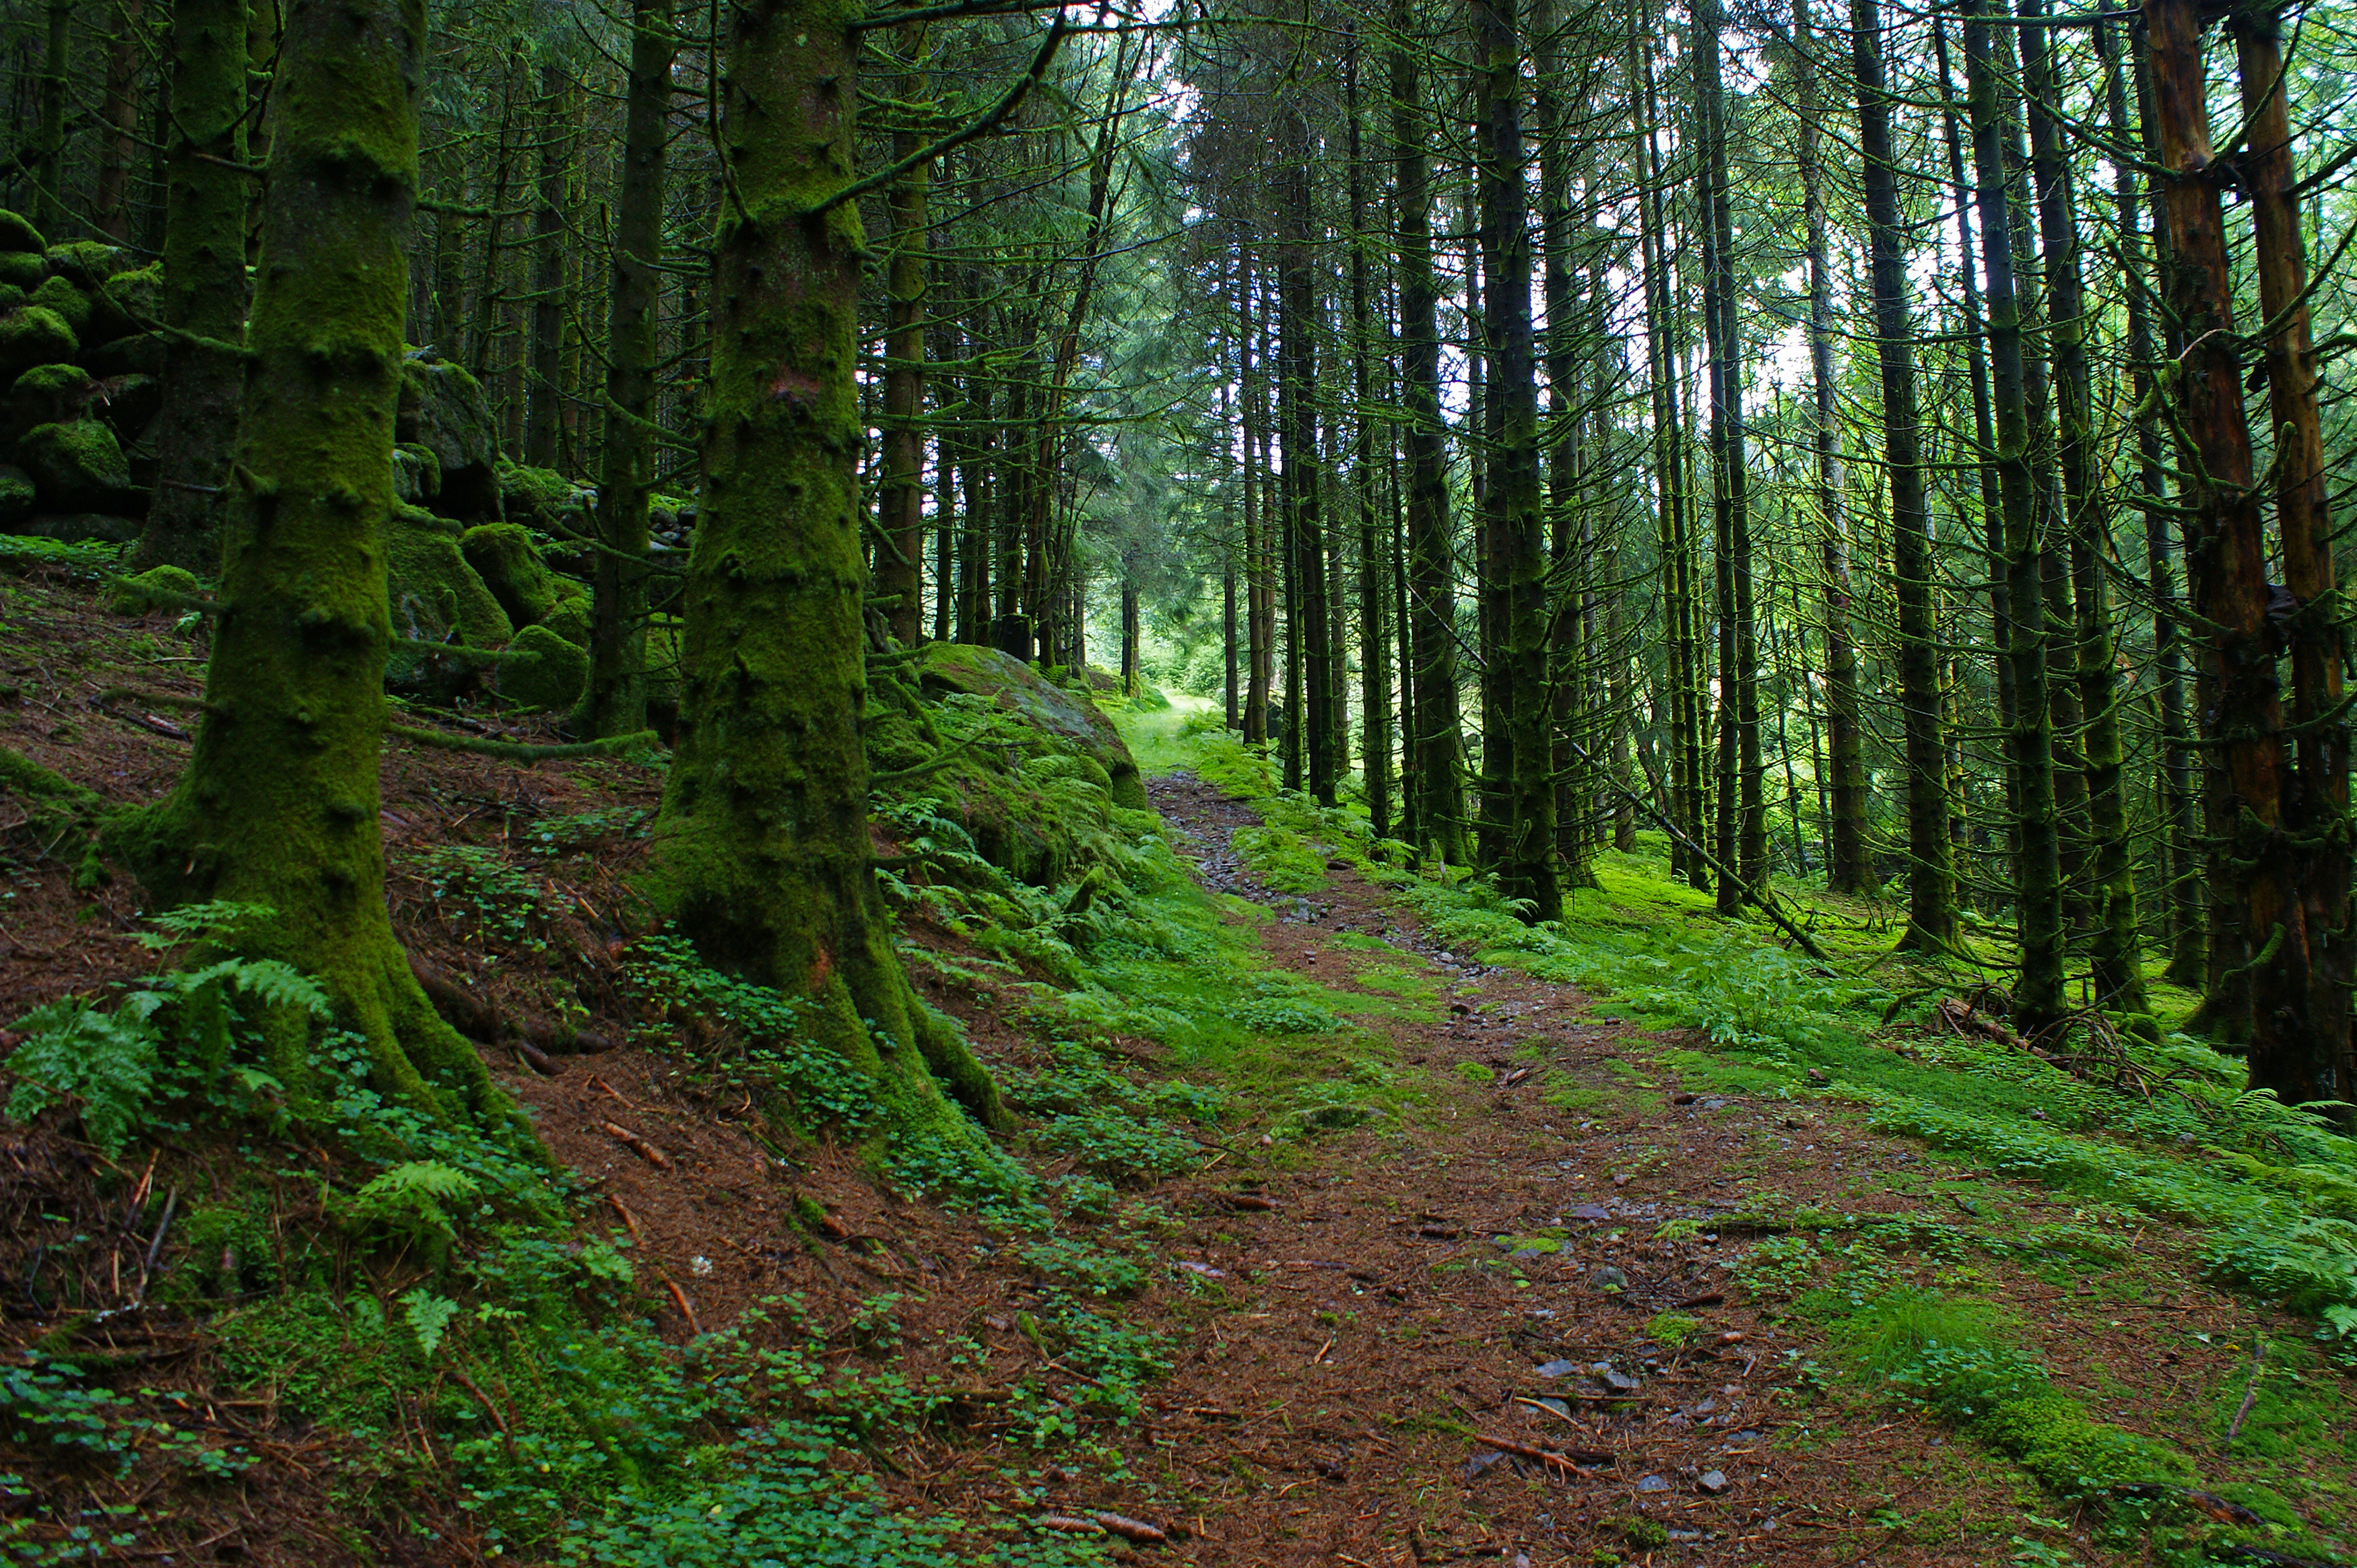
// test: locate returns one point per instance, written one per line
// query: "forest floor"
(1434, 1240)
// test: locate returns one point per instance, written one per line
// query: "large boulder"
(22, 273)
(18, 235)
(510, 564)
(16, 493)
(1016, 687)
(77, 465)
(543, 670)
(443, 409)
(29, 335)
(431, 589)
(544, 499)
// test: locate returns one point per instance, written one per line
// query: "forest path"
(1491, 1267)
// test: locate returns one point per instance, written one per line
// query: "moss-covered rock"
(127, 303)
(544, 498)
(11, 296)
(510, 564)
(48, 395)
(416, 476)
(1015, 687)
(71, 304)
(443, 409)
(548, 673)
(84, 263)
(22, 273)
(141, 354)
(29, 335)
(18, 235)
(77, 465)
(570, 620)
(433, 591)
(16, 495)
(131, 595)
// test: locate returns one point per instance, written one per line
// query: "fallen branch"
(1543, 1456)
(637, 1145)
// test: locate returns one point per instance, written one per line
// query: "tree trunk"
(900, 503)
(1847, 870)
(279, 804)
(1435, 742)
(1257, 589)
(2115, 944)
(2038, 880)
(615, 700)
(1374, 579)
(545, 418)
(765, 863)
(2303, 1051)
(1931, 902)
(49, 135)
(1526, 860)
(110, 206)
(203, 304)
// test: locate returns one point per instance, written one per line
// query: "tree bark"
(900, 502)
(1374, 578)
(545, 419)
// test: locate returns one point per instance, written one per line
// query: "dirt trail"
(1385, 1303)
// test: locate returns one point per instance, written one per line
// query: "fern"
(76, 1052)
(408, 1200)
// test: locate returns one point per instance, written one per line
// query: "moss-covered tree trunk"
(2313, 1058)
(900, 502)
(1931, 902)
(203, 303)
(1847, 868)
(48, 148)
(279, 803)
(1310, 683)
(1435, 743)
(110, 204)
(1258, 657)
(2180, 887)
(2115, 939)
(1374, 572)
(765, 860)
(1527, 861)
(2038, 877)
(544, 402)
(615, 700)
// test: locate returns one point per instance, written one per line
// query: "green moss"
(31, 335)
(2052, 1437)
(570, 620)
(510, 566)
(84, 262)
(16, 494)
(541, 497)
(126, 596)
(71, 306)
(48, 797)
(48, 395)
(128, 302)
(1671, 1330)
(433, 591)
(1015, 688)
(550, 676)
(18, 235)
(22, 275)
(77, 465)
